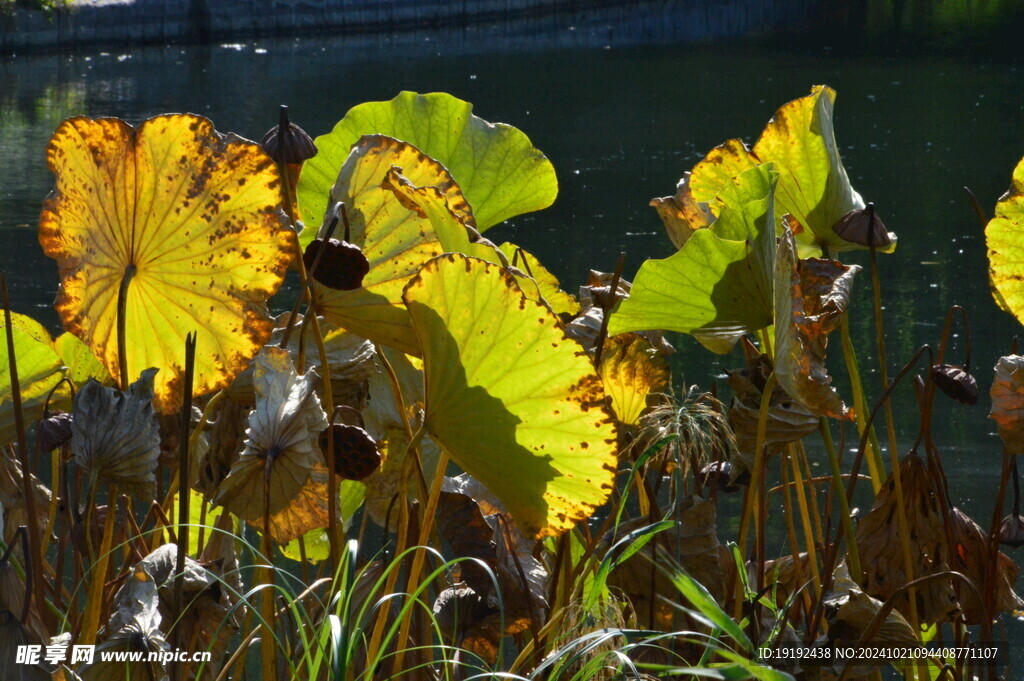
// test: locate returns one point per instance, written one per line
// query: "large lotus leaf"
(396, 238)
(351, 494)
(1004, 236)
(632, 370)
(39, 370)
(511, 399)
(115, 435)
(194, 215)
(810, 299)
(718, 286)
(1008, 402)
(498, 168)
(813, 185)
(456, 235)
(281, 472)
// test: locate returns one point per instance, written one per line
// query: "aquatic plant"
(440, 464)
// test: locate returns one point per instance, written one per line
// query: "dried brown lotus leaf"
(1008, 402)
(632, 371)
(134, 626)
(784, 574)
(12, 498)
(281, 462)
(970, 556)
(13, 636)
(226, 440)
(854, 615)
(1011, 531)
(788, 420)
(878, 540)
(12, 598)
(811, 297)
(681, 214)
(116, 435)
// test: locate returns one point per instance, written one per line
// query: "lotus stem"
(801, 500)
(35, 554)
(426, 525)
(844, 504)
(976, 206)
(122, 313)
(94, 601)
(184, 482)
(794, 545)
(875, 466)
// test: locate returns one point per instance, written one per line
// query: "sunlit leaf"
(718, 286)
(550, 288)
(499, 170)
(81, 363)
(631, 369)
(193, 214)
(318, 545)
(39, 370)
(1004, 236)
(1008, 402)
(281, 472)
(811, 297)
(515, 403)
(397, 239)
(813, 188)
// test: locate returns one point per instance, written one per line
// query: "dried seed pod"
(1011, 531)
(955, 382)
(863, 227)
(718, 475)
(342, 265)
(355, 451)
(54, 430)
(287, 143)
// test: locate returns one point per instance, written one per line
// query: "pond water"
(621, 119)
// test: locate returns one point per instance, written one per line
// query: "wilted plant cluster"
(440, 464)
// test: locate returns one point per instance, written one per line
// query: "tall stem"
(185, 487)
(122, 312)
(36, 554)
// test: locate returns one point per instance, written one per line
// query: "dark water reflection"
(621, 122)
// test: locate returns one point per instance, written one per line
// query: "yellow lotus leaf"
(1008, 402)
(631, 369)
(188, 218)
(1004, 236)
(813, 188)
(811, 297)
(39, 370)
(281, 472)
(513, 401)
(457, 235)
(397, 239)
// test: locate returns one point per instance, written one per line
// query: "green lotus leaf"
(498, 168)
(513, 401)
(39, 370)
(79, 360)
(811, 297)
(813, 185)
(718, 286)
(396, 238)
(1004, 236)
(318, 545)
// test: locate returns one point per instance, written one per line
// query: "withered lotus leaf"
(811, 297)
(956, 382)
(681, 214)
(281, 461)
(970, 556)
(13, 636)
(189, 218)
(134, 626)
(878, 540)
(513, 401)
(1008, 402)
(632, 371)
(115, 435)
(39, 371)
(1011, 531)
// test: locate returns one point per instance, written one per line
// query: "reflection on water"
(621, 121)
